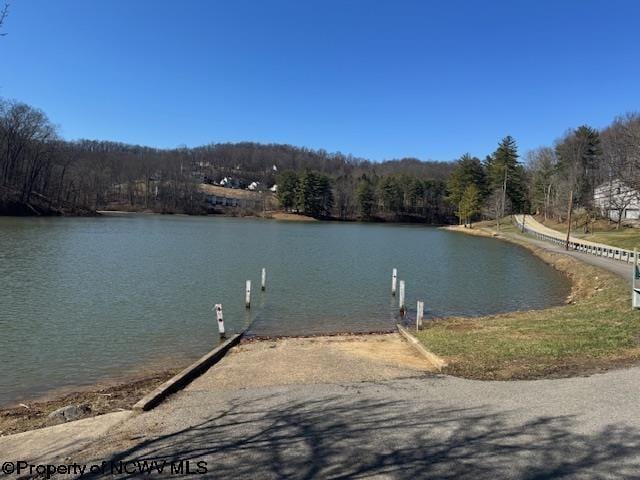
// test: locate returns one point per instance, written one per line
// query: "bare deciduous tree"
(4, 13)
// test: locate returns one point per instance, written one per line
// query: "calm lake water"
(83, 299)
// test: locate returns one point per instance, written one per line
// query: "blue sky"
(377, 79)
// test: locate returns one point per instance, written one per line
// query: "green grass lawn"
(602, 232)
(628, 238)
(598, 331)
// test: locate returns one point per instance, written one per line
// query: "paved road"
(408, 426)
(615, 266)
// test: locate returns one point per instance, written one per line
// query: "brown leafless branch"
(4, 13)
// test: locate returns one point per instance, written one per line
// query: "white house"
(617, 200)
(274, 189)
(229, 182)
(254, 186)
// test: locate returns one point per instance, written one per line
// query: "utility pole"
(504, 198)
(566, 244)
(504, 190)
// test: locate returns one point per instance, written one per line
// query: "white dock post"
(401, 302)
(419, 315)
(264, 279)
(394, 280)
(247, 298)
(218, 309)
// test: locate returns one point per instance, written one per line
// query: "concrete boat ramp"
(358, 407)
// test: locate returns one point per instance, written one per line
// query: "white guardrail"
(590, 248)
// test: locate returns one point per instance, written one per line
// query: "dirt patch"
(479, 230)
(100, 399)
(291, 217)
(385, 350)
(335, 359)
(232, 192)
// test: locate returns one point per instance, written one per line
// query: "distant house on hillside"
(617, 201)
(223, 201)
(230, 182)
(219, 200)
(274, 189)
(253, 186)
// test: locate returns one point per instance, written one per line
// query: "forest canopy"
(41, 173)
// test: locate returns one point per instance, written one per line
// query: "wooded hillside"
(40, 173)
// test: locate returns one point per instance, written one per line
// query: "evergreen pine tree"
(366, 197)
(507, 176)
(287, 187)
(469, 205)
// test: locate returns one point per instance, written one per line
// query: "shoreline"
(595, 331)
(102, 397)
(536, 251)
(578, 287)
(266, 214)
(120, 393)
(114, 395)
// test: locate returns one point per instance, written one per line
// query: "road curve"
(622, 269)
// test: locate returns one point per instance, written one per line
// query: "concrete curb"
(186, 376)
(435, 360)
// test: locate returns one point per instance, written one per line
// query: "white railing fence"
(588, 248)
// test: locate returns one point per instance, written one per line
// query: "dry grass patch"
(291, 217)
(232, 192)
(601, 231)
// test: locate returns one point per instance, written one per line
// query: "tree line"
(309, 193)
(557, 181)
(41, 173)
(365, 197)
(491, 188)
(563, 177)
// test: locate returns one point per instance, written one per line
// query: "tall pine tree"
(469, 171)
(507, 177)
(287, 187)
(366, 197)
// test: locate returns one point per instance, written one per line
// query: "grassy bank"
(595, 331)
